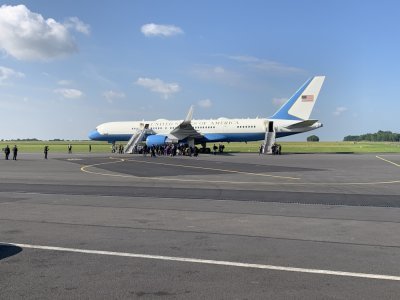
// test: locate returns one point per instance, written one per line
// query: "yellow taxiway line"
(213, 169)
(120, 160)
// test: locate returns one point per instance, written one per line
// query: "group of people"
(7, 152)
(276, 149)
(167, 150)
(117, 148)
(220, 148)
(14, 150)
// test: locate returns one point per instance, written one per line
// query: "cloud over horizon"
(205, 103)
(7, 73)
(152, 29)
(265, 65)
(158, 86)
(339, 110)
(69, 93)
(279, 101)
(26, 35)
(112, 95)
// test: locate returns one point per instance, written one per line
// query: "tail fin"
(301, 104)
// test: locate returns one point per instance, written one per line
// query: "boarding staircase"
(269, 140)
(136, 138)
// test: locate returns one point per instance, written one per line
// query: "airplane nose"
(94, 135)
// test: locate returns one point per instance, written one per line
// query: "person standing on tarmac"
(46, 150)
(15, 152)
(260, 150)
(7, 152)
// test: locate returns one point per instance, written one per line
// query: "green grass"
(62, 146)
(287, 147)
(321, 147)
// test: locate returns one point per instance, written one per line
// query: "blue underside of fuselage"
(207, 138)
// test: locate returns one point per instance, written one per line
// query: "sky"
(67, 66)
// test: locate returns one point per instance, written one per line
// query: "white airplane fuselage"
(218, 130)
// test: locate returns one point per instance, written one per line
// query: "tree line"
(380, 136)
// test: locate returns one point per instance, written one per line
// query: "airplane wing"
(302, 124)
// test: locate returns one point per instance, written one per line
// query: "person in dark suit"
(46, 150)
(15, 152)
(7, 151)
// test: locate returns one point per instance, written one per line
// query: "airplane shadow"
(8, 250)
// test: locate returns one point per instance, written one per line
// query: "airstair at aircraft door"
(136, 138)
(270, 138)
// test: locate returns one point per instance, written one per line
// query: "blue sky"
(67, 66)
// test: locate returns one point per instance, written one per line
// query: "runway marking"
(213, 169)
(212, 262)
(84, 169)
(393, 163)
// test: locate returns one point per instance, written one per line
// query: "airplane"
(291, 118)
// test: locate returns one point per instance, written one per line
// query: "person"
(15, 152)
(215, 149)
(261, 149)
(69, 148)
(274, 149)
(7, 152)
(153, 151)
(90, 148)
(46, 150)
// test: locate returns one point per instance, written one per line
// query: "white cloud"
(64, 82)
(279, 101)
(216, 73)
(205, 103)
(26, 35)
(7, 73)
(69, 93)
(152, 29)
(78, 25)
(339, 110)
(219, 70)
(158, 86)
(266, 65)
(112, 95)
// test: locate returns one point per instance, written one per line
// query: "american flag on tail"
(307, 98)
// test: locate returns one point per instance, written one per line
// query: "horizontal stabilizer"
(302, 124)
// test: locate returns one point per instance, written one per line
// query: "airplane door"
(270, 126)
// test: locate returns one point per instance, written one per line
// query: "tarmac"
(234, 226)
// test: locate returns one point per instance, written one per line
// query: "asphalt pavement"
(241, 226)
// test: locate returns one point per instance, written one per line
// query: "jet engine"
(156, 140)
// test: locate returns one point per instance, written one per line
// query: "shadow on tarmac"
(8, 250)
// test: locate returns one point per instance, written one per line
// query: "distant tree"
(313, 138)
(351, 138)
(380, 136)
